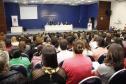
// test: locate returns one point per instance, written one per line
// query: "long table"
(58, 27)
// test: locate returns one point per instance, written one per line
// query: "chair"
(118, 78)
(91, 80)
(101, 58)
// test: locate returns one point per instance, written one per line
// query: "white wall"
(118, 17)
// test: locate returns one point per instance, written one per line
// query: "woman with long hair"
(50, 73)
(113, 62)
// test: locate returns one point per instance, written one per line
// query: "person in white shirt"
(93, 43)
(89, 25)
(14, 41)
(87, 49)
(64, 53)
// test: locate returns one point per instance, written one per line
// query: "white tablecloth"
(58, 27)
(17, 29)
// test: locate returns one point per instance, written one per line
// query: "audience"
(61, 57)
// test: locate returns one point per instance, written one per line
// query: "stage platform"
(35, 31)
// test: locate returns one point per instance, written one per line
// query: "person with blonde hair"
(3, 48)
(9, 77)
(14, 41)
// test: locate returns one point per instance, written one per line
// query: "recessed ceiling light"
(89, 1)
(33, 1)
(15, 1)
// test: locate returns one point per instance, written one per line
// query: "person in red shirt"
(78, 67)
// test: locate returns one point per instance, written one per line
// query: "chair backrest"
(92, 59)
(118, 77)
(91, 80)
(101, 58)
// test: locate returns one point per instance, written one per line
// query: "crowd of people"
(61, 58)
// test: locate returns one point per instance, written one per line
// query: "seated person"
(3, 48)
(37, 57)
(112, 63)
(100, 50)
(64, 53)
(14, 41)
(17, 59)
(50, 73)
(78, 67)
(9, 77)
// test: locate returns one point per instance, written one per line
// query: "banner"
(14, 21)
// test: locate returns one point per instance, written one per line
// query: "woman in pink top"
(37, 57)
(78, 67)
(100, 50)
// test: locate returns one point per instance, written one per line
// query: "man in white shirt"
(64, 53)
(89, 25)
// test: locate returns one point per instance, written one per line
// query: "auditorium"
(62, 42)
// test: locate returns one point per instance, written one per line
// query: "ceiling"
(69, 2)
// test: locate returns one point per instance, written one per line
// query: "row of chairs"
(117, 78)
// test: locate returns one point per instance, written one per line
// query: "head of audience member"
(2, 36)
(95, 36)
(78, 47)
(2, 45)
(16, 54)
(3, 62)
(115, 56)
(63, 44)
(108, 39)
(39, 50)
(86, 45)
(8, 43)
(49, 56)
(13, 39)
(54, 41)
(70, 40)
(22, 46)
(118, 40)
(100, 41)
(38, 40)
